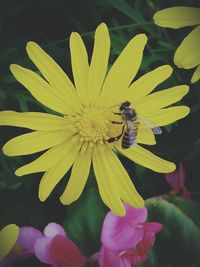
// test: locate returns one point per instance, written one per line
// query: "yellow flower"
(79, 137)
(8, 238)
(187, 55)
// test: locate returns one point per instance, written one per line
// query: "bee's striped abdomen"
(129, 136)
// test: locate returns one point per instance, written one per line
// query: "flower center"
(93, 126)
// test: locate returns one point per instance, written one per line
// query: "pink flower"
(127, 240)
(176, 180)
(53, 247)
(56, 249)
(24, 246)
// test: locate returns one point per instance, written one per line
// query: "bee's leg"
(117, 113)
(117, 122)
(113, 139)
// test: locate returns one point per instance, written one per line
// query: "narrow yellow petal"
(33, 142)
(147, 159)
(145, 135)
(196, 75)
(51, 71)
(126, 188)
(99, 61)
(145, 84)
(40, 89)
(168, 115)
(47, 160)
(78, 178)
(124, 68)
(80, 66)
(177, 17)
(33, 120)
(161, 99)
(53, 176)
(8, 238)
(108, 188)
(187, 54)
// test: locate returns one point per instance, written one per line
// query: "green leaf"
(190, 207)
(178, 244)
(84, 221)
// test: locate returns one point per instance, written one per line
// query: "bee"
(130, 125)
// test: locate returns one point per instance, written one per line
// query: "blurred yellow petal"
(147, 159)
(40, 89)
(53, 176)
(126, 188)
(145, 135)
(99, 61)
(51, 71)
(187, 54)
(196, 75)
(47, 160)
(169, 115)
(124, 68)
(33, 120)
(108, 188)
(79, 61)
(177, 17)
(33, 142)
(147, 83)
(78, 178)
(8, 238)
(161, 99)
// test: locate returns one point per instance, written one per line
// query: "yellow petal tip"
(14, 67)
(171, 168)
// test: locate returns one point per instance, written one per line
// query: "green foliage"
(178, 244)
(84, 220)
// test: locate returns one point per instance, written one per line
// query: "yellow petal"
(8, 238)
(78, 178)
(145, 135)
(145, 84)
(147, 159)
(161, 99)
(108, 188)
(79, 61)
(33, 142)
(51, 71)
(32, 120)
(127, 191)
(53, 176)
(187, 54)
(166, 116)
(196, 75)
(177, 17)
(40, 89)
(99, 61)
(124, 68)
(47, 160)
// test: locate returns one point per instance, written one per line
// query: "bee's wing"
(150, 124)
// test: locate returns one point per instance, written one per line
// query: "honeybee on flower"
(79, 137)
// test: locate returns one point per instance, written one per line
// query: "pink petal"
(108, 258)
(64, 251)
(173, 180)
(53, 229)
(27, 238)
(153, 227)
(42, 250)
(121, 233)
(135, 215)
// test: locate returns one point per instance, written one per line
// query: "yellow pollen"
(92, 126)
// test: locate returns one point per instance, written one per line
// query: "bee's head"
(124, 105)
